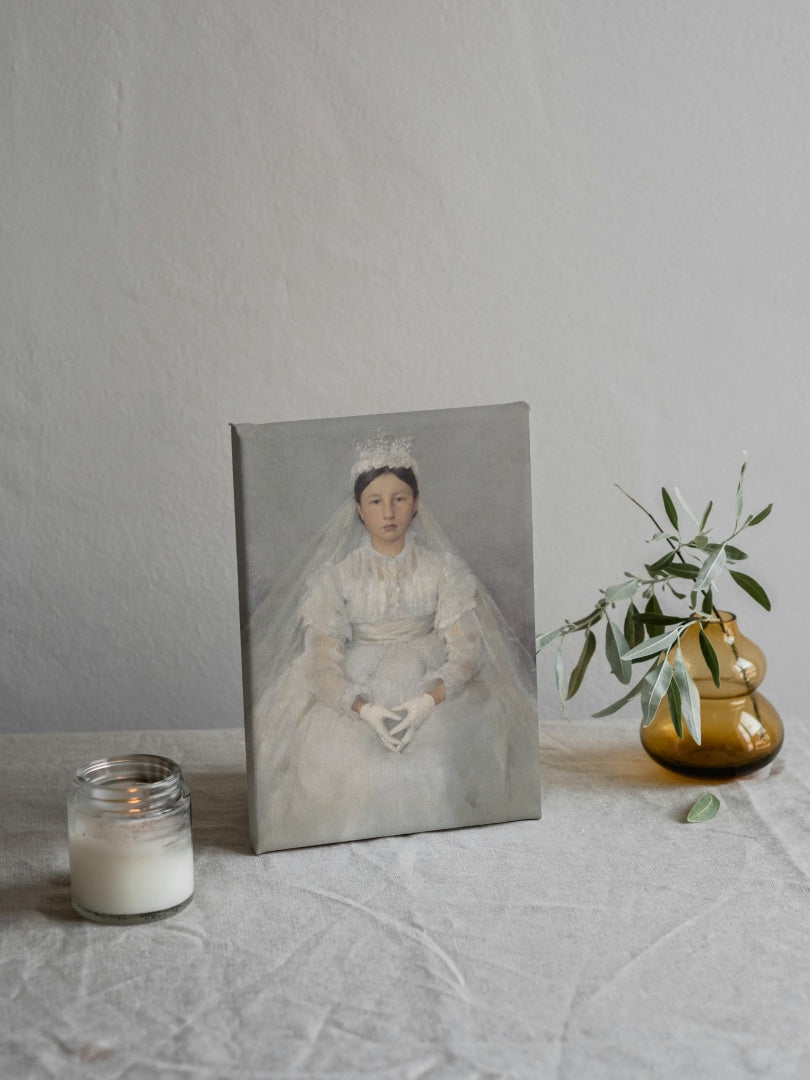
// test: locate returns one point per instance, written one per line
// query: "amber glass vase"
(740, 729)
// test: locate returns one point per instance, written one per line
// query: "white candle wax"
(129, 868)
(129, 838)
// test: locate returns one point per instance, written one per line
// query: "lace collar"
(389, 560)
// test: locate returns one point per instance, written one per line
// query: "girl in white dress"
(396, 700)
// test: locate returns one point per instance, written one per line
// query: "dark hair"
(402, 472)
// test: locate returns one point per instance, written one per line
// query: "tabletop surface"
(609, 939)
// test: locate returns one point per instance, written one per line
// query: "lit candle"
(129, 836)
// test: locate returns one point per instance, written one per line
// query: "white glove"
(375, 716)
(416, 710)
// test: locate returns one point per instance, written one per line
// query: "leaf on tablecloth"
(704, 809)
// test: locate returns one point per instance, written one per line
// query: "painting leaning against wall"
(386, 602)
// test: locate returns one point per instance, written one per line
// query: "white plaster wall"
(254, 211)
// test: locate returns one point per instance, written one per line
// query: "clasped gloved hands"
(396, 727)
(417, 710)
(375, 715)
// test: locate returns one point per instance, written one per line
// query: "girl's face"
(387, 508)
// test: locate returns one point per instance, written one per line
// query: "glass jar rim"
(129, 781)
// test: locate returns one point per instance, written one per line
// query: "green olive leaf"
(740, 485)
(655, 685)
(652, 606)
(657, 644)
(577, 675)
(669, 507)
(661, 620)
(660, 564)
(615, 593)
(684, 570)
(674, 702)
(683, 503)
(710, 656)
(756, 518)
(712, 567)
(704, 809)
(559, 674)
(705, 518)
(690, 698)
(545, 639)
(752, 587)
(615, 648)
(633, 628)
(733, 554)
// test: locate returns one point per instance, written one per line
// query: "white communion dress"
(387, 628)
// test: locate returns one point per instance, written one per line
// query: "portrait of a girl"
(385, 693)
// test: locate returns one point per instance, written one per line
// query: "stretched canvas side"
(388, 662)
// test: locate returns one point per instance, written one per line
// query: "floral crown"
(381, 452)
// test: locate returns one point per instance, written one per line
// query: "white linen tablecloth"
(609, 939)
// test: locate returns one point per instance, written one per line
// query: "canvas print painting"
(386, 600)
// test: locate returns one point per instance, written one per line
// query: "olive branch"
(693, 563)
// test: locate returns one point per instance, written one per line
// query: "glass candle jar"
(129, 837)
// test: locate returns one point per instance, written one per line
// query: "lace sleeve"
(323, 671)
(326, 631)
(457, 592)
(462, 643)
(323, 607)
(457, 623)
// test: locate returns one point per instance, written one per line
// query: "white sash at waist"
(393, 629)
